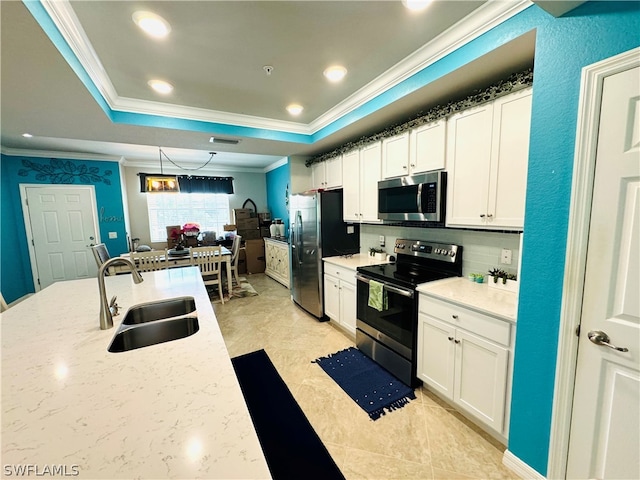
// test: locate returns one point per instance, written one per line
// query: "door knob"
(600, 338)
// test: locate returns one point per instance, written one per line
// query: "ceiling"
(95, 102)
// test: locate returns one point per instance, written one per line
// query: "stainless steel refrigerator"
(317, 231)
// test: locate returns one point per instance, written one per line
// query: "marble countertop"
(278, 239)
(173, 410)
(354, 261)
(477, 296)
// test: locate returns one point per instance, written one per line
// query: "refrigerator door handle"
(298, 236)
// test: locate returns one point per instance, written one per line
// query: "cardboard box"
(253, 234)
(242, 213)
(247, 223)
(230, 228)
(171, 228)
(255, 256)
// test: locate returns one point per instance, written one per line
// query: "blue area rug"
(366, 382)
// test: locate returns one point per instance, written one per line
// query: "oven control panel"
(432, 250)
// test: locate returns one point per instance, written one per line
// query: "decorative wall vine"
(65, 172)
(514, 82)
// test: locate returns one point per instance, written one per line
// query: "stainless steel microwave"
(416, 198)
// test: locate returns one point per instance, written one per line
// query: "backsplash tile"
(481, 250)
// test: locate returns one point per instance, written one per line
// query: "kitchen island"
(172, 410)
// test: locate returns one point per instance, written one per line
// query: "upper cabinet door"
(427, 147)
(333, 172)
(468, 157)
(509, 160)
(351, 190)
(319, 176)
(395, 156)
(370, 168)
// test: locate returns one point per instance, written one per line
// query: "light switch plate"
(382, 240)
(113, 235)
(505, 256)
(350, 229)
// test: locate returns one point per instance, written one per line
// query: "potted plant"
(377, 253)
(503, 280)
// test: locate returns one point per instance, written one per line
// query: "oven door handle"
(388, 287)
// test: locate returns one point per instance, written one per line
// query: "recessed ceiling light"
(152, 24)
(335, 73)
(161, 86)
(416, 5)
(27, 135)
(295, 109)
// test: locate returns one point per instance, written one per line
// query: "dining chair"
(235, 255)
(209, 261)
(100, 253)
(150, 261)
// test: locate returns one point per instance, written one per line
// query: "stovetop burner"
(418, 262)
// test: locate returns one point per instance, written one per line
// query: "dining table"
(182, 260)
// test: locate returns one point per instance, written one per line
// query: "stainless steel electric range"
(389, 335)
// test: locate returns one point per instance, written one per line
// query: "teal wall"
(278, 185)
(590, 33)
(15, 276)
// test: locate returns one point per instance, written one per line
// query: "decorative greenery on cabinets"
(516, 81)
(64, 172)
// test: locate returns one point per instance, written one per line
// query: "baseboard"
(520, 468)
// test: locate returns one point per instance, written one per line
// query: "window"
(210, 210)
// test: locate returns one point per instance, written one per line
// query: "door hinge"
(578, 331)
(33, 243)
(38, 282)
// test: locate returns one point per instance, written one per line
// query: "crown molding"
(18, 152)
(488, 16)
(278, 164)
(471, 27)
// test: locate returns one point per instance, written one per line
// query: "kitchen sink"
(152, 311)
(130, 337)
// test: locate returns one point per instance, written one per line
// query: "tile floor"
(424, 440)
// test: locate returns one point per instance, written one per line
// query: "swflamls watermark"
(30, 469)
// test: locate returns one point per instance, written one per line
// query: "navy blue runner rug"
(290, 444)
(366, 382)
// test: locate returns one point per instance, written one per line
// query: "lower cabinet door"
(481, 378)
(331, 298)
(348, 302)
(436, 354)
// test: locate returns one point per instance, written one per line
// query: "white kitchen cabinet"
(466, 357)
(327, 174)
(361, 171)
(427, 147)
(487, 157)
(277, 260)
(340, 296)
(395, 156)
(418, 151)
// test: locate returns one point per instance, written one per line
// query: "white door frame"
(578, 235)
(27, 219)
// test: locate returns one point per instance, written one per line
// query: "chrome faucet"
(109, 310)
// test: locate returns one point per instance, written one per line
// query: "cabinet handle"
(455, 317)
(404, 167)
(490, 215)
(450, 338)
(482, 215)
(413, 165)
(457, 341)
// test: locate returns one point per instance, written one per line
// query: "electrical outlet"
(113, 235)
(382, 240)
(505, 256)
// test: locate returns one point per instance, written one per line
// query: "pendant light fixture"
(162, 183)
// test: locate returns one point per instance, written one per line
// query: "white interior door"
(63, 225)
(605, 426)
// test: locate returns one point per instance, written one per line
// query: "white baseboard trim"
(520, 468)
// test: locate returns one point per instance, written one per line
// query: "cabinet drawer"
(484, 325)
(342, 273)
